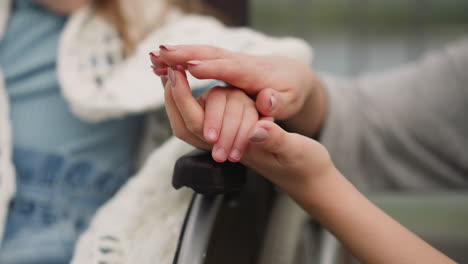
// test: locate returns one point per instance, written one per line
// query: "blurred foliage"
(329, 14)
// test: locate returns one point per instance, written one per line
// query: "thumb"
(272, 139)
(274, 153)
(280, 105)
(267, 102)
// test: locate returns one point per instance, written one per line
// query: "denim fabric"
(66, 168)
(56, 198)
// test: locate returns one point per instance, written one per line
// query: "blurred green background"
(352, 37)
(355, 36)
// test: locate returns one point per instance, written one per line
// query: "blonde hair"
(113, 11)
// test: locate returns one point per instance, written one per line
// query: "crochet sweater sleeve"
(107, 91)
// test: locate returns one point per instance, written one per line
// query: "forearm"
(309, 120)
(370, 234)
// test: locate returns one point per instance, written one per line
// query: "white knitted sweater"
(141, 223)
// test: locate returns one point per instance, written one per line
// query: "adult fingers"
(277, 104)
(159, 66)
(247, 74)
(187, 105)
(178, 123)
(181, 54)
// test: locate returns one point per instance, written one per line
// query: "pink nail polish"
(168, 47)
(170, 73)
(154, 53)
(194, 62)
(259, 135)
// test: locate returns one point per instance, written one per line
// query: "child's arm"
(302, 168)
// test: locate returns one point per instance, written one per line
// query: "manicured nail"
(259, 135)
(235, 155)
(158, 71)
(273, 103)
(168, 47)
(220, 155)
(155, 53)
(164, 80)
(194, 62)
(170, 73)
(211, 134)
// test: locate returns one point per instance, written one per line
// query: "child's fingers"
(215, 105)
(187, 105)
(177, 122)
(249, 118)
(232, 120)
(181, 54)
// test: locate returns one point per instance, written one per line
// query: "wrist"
(316, 193)
(311, 179)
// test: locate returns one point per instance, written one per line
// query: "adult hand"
(284, 88)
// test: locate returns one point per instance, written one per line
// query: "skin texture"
(278, 93)
(299, 165)
(63, 7)
(269, 81)
(219, 120)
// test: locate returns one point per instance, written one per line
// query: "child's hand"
(291, 161)
(219, 120)
(229, 116)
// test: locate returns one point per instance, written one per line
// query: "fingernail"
(220, 155)
(273, 103)
(154, 53)
(211, 134)
(164, 80)
(194, 62)
(259, 135)
(170, 73)
(168, 47)
(235, 155)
